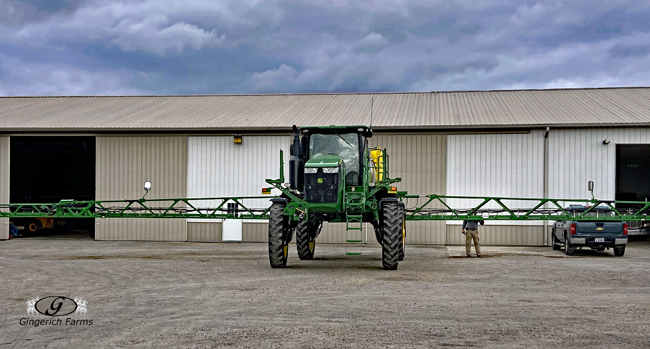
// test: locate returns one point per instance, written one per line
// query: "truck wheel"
(619, 251)
(556, 244)
(402, 235)
(278, 240)
(306, 240)
(568, 249)
(391, 231)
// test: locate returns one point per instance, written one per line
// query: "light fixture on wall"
(606, 141)
(237, 138)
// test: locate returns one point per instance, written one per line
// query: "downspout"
(546, 169)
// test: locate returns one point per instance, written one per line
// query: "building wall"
(217, 167)
(577, 156)
(420, 160)
(123, 164)
(497, 165)
(500, 165)
(204, 231)
(4, 184)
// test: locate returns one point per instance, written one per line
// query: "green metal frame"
(140, 208)
(539, 209)
(189, 208)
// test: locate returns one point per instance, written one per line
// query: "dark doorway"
(632, 172)
(50, 169)
(632, 179)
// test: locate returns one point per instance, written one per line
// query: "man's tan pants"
(469, 235)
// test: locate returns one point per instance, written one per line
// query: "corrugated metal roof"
(431, 110)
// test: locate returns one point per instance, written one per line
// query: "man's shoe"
(468, 256)
(479, 256)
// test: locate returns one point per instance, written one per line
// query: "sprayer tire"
(278, 244)
(402, 235)
(391, 232)
(305, 234)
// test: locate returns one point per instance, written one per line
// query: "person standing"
(470, 230)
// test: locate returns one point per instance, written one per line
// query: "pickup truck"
(597, 235)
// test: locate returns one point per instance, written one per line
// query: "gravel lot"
(146, 294)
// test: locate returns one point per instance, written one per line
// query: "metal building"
(525, 143)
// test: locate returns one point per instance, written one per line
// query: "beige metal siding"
(204, 231)
(335, 233)
(255, 232)
(420, 160)
(503, 235)
(123, 164)
(4, 184)
(331, 233)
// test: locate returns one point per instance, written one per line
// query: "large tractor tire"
(33, 225)
(306, 239)
(402, 235)
(391, 233)
(279, 236)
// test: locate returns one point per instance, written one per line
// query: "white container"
(232, 230)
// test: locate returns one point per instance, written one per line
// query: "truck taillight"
(624, 228)
(573, 228)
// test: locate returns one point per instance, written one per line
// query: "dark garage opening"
(632, 179)
(50, 169)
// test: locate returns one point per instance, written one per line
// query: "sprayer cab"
(329, 154)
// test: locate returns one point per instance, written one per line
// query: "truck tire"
(568, 248)
(402, 235)
(619, 251)
(391, 232)
(278, 241)
(555, 242)
(306, 240)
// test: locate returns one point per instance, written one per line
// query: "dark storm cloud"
(16, 13)
(202, 46)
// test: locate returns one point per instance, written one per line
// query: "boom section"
(418, 208)
(443, 207)
(200, 208)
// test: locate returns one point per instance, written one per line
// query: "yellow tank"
(377, 156)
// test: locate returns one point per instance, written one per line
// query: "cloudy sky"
(101, 47)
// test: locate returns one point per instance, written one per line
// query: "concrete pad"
(166, 294)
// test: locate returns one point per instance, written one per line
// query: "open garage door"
(632, 184)
(49, 169)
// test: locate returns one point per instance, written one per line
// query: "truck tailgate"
(598, 228)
